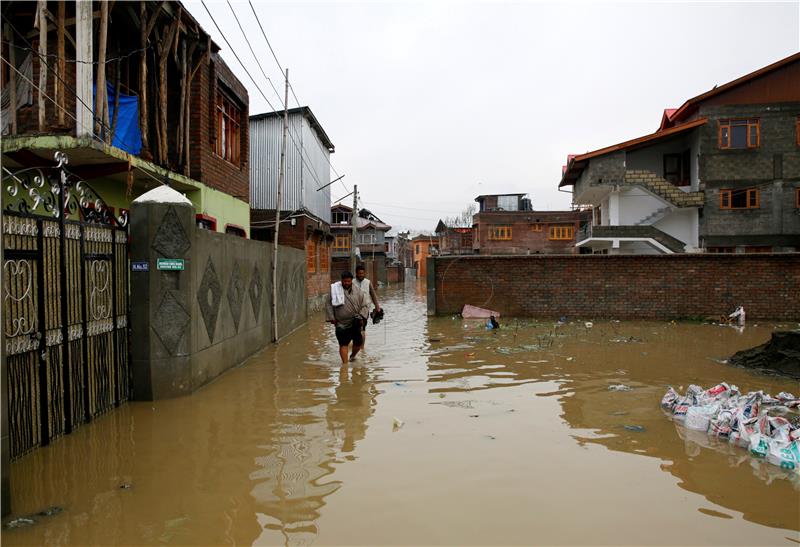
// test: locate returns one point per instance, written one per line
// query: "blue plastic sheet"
(127, 134)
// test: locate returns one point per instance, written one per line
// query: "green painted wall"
(224, 208)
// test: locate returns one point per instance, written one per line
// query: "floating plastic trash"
(619, 387)
(397, 423)
(746, 420)
(474, 312)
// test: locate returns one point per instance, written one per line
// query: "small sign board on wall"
(140, 266)
(170, 264)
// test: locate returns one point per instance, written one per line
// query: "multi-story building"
(167, 112)
(305, 194)
(507, 224)
(721, 174)
(370, 244)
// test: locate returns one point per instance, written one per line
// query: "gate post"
(162, 235)
(5, 447)
(430, 284)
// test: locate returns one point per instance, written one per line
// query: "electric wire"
(225, 38)
(272, 85)
(291, 88)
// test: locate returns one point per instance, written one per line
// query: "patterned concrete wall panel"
(255, 292)
(171, 240)
(170, 324)
(209, 297)
(236, 294)
(291, 290)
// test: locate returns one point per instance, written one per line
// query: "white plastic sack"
(759, 445)
(669, 400)
(784, 455)
(698, 418)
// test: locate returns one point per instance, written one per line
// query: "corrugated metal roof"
(305, 111)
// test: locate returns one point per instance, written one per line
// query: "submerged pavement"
(507, 437)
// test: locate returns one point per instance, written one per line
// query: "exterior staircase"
(663, 189)
(655, 216)
(639, 232)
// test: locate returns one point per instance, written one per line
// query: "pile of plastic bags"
(755, 420)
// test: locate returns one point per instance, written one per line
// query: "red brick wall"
(395, 274)
(622, 286)
(206, 166)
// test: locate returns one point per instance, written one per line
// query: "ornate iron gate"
(65, 304)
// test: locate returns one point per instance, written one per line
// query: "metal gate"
(65, 304)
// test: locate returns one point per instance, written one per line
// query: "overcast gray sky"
(431, 104)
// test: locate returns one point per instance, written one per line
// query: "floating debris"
(397, 423)
(626, 340)
(50, 511)
(619, 387)
(125, 486)
(20, 522)
(743, 419)
(636, 428)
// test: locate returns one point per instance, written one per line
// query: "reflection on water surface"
(510, 437)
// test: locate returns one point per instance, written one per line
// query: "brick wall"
(621, 286)
(206, 166)
(395, 274)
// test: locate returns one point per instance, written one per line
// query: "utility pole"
(353, 230)
(278, 212)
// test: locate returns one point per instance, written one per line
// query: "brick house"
(720, 174)
(370, 242)
(305, 195)
(183, 125)
(507, 224)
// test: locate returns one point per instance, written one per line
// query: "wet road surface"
(508, 437)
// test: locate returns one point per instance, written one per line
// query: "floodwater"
(509, 437)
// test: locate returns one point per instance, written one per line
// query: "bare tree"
(462, 220)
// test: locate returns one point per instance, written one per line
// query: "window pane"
(739, 136)
(753, 135)
(739, 199)
(723, 136)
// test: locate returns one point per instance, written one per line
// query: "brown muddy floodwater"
(504, 442)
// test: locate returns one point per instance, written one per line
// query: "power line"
(291, 88)
(225, 38)
(55, 56)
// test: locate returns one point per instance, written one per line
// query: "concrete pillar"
(162, 227)
(5, 447)
(431, 284)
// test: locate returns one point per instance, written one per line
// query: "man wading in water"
(369, 294)
(346, 308)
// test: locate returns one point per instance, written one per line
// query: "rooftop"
(308, 114)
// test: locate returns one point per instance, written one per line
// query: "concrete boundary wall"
(191, 324)
(618, 286)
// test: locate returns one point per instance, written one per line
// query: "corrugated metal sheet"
(303, 174)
